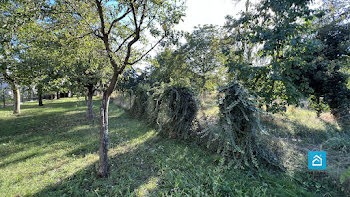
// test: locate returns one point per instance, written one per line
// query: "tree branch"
(126, 39)
(117, 20)
(142, 56)
(100, 13)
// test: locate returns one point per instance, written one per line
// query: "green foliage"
(240, 124)
(284, 51)
(339, 144)
(204, 58)
(169, 66)
(171, 108)
(139, 106)
(179, 108)
(264, 50)
(197, 64)
(327, 78)
(345, 176)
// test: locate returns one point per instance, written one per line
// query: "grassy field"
(52, 151)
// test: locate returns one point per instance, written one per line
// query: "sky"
(208, 12)
(200, 12)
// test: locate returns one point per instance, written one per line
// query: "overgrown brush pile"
(173, 110)
(178, 108)
(138, 107)
(239, 124)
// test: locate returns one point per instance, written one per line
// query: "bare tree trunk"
(40, 95)
(16, 99)
(90, 102)
(3, 97)
(103, 151)
(58, 95)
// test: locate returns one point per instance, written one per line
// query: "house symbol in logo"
(317, 161)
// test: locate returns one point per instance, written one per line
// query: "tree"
(197, 63)
(42, 59)
(268, 54)
(8, 22)
(15, 17)
(123, 27)
(85, 68)
(327, 77)
(203, 55)
(301, 53)
(169, 66)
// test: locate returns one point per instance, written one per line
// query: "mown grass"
(52, 151)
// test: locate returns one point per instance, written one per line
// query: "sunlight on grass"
(53, 151)
(145, 189)
(307, 118)
(131, 145)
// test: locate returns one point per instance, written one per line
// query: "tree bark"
(3, 97)
(16, 99)
(103, 150)
(58, 95)
(40, 95)
(90, 102)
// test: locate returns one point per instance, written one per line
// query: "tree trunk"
(3, 97)
(58, 95)
(16, 99)
(90, 103)
(103, 150)
(40, 95)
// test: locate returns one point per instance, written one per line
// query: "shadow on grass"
(141, 163)
(20, 159)
(47, 104)
(128, 172)
(66, 136)
(31, 129)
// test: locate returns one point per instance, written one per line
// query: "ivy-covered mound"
(239, 123)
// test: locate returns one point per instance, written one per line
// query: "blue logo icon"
(317, 160)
